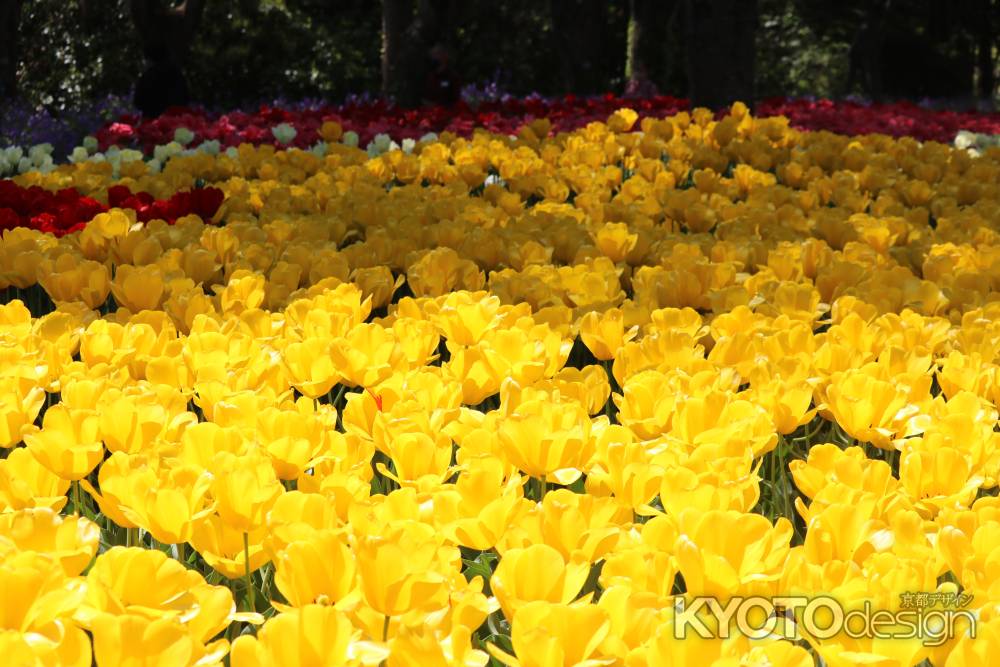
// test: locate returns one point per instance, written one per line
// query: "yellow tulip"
(244, 489)
(138, 288)
(641, 571)
(546, 634)
(39, 600)
(420, 647)
(572, 523)
(870, 409)
(538, 572)
(397, 570)
(169, 502)
(479, 372)
(150, 584)
(615, 241)
(938, 478)
(726, 554)
(299, 516)
(634, 617)
(130, 423)
(223, 548)
(314, 636)
(68, 443)
(482, 505)
(294, 440)
(72, 279)
(463, 318)
(441, 271)
(25, 483)
(418, 459)
(969, 651)
(244, 291)
(105, 231)
(20, 402)
(605, 334)
(70, 541)
(132, 639)
(627, 468)
(367, 355)
(710, 479)
(548, 440)
(319, 569)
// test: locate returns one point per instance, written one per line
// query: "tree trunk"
(579, 28)
(409, 29)
(10, 18)
(985, 38)
(650, 27)
(721, 52)
(396, 17)
(164, 26)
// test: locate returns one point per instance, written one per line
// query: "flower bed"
(505, 396)
(66, 210)
(510, 115)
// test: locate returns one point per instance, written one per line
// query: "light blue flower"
(284, 133)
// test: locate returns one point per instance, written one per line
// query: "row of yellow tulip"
(503, 397)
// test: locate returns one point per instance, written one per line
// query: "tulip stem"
(544, 488)
(246, 570)
(77, 498)
(385, 629)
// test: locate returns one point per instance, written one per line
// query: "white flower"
(24, 165)
(232, 153)
(131, 155)
(409, 145)
(211, 147)
(429, 137)
(350, 138)
(154, 166)
(79, 154)
(284, 133)
(90, 143)
(183, 136)
(320, 149)
(383, 142)
(38, 152)
(965, 139)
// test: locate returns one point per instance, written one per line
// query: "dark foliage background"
(71, 53)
